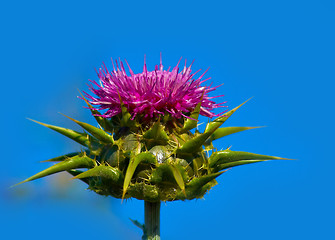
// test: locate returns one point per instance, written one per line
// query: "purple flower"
(152, 93)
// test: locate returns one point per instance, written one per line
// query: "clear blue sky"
(281, 53)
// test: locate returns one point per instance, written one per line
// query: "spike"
(71, 163)
(216, 123)
(222, 132)
(134, 162)
(62, 158)
(194, 144)
(103, 122)
(96, 132)
(156, 135)
(228, 156)
(81, 138)
(236, 163)
(198, 182)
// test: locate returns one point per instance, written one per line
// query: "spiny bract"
(145, 148)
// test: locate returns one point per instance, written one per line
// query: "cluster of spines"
(156, 163)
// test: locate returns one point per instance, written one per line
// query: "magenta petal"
(151, 93)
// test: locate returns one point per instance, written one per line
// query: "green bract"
(158, 161)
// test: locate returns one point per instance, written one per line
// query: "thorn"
(76, 121)
(44, 124)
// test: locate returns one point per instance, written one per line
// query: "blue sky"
(281, 53)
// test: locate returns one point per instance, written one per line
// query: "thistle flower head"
(151, 94)
(158, 160)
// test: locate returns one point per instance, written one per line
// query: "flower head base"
(150, 94)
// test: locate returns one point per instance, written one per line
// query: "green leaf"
(198, 182)
(216, 123)
(103, 122)
(107, 172)
(178, 177)
(156, 135)
(144, 157)
(159, 173)
(96, 132)
(198, 186)
(72, 163)
(194, 144)
(62, 158)
(228, 158)
(236, 163)
(222, 132)
(81, 138)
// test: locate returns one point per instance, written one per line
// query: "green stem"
(152, 220)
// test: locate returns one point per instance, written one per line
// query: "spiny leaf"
(195, 188)
(222, 132)
(96, 132)
(194, 144)
(134, 161)
(216, 123)
(72, 163)
(107, 172)
(81, 138)
(206, 188)
(178, 177)
(103, 122)
(198, 182)
(235, 163)
(158, 173)
(198, 186)
(62, 158)
(157, 134)
(228, 156)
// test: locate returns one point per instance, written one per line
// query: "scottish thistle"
(146, 144)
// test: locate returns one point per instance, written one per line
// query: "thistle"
(146, 144)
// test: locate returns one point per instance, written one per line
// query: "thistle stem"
(152, 220)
